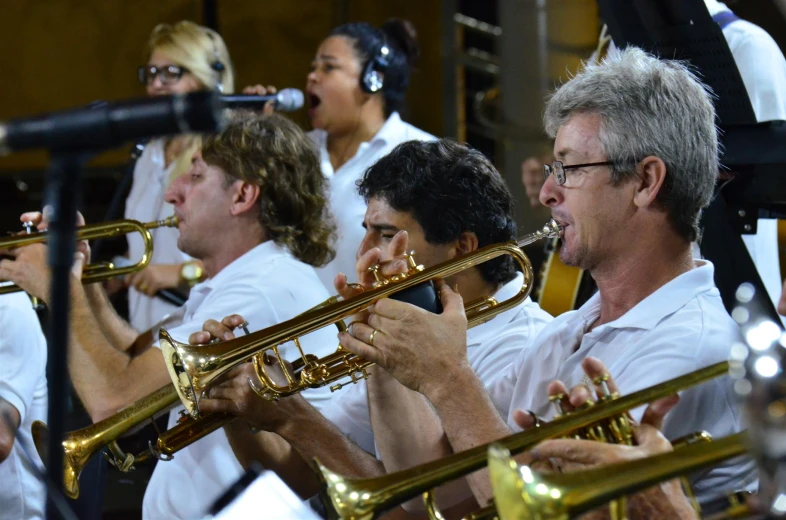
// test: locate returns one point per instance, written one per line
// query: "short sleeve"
(22, 352)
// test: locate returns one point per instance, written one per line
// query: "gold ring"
(142, 287)
(371, 337)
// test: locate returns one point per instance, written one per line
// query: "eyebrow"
(381, 227)
(327, 57)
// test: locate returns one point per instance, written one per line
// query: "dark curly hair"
(449, 189)
(273, 152)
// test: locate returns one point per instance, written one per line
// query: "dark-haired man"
(442, 200)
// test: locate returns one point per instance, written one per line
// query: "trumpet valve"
(412, 265)
(603, 382)
(556, 400)
(355, 377)
(374, 269)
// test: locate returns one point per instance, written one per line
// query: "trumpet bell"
(521, 493)
(526, 496)
(73, 459)
(179, 364)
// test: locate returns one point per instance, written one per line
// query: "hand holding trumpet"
(27, 265)
(666, 500)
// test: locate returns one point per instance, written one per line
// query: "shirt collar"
(662, 303)
(507, 291)
(387, 133)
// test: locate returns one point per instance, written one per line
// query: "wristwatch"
(191, 272)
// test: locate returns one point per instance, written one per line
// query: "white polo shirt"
(266, 286)
(145, 203)
(23, 385)
(491, 348)
(347, 206)
(678, 329)
(763, 70)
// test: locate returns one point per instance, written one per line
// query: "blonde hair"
(196, 48)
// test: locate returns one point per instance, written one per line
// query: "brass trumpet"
(80, 445)
(521, 494)
(358, 499)
(194, 367)
(105, 270)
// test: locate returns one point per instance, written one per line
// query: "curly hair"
(274, 153)
(449, 189)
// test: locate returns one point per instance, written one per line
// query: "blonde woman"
(181, 58)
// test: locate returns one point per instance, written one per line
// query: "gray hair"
(649, 107)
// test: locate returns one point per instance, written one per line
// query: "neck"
(234, 244)
(342, 146)
(644, 269)
(471, 285)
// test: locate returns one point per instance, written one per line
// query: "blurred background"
(484, 71)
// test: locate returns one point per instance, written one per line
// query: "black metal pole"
(64, 187)
(210, 14)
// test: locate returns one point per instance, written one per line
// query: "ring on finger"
(371, 337)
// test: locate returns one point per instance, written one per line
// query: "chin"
(569, 257)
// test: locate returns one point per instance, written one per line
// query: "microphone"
(286, 100)
(111, 124)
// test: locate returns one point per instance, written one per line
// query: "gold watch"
(191, 272)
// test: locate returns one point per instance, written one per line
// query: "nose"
(156, 86)
(550, 193)
(174, 194)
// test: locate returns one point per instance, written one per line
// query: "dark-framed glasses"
(166, 74)
(558, 169)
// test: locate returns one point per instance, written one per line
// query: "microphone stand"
(65, 187)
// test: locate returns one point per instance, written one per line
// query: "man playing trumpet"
(252, 208)
(636, 151)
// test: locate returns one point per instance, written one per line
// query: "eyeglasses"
(558, 169)
(166, 75)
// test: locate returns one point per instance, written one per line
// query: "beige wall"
(58, 54)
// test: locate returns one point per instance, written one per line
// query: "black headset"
(217, 65)
(372, 80)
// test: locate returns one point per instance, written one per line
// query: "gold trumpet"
(80, 445)
(105, 270)
(522, 494)
(358, 499)
(194, 367)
